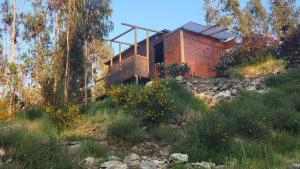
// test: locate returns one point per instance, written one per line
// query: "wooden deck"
(131, 67)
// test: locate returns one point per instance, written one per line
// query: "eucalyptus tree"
(284, 17)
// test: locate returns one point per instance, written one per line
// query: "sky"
(158, 15)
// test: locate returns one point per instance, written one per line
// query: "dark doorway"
(159, 53)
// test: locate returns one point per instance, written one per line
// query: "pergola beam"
(122, 34)
(142, 28)
(120, 42)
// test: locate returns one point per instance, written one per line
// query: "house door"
(159, 58)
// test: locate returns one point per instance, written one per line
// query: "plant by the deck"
(176, 70)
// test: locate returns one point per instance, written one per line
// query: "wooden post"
(120, 53)
(135, 42)
(148, 52)
(182, 47)
(111, 54)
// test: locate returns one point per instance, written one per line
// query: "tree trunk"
(12, 56)
(86, 77)
(66, 82)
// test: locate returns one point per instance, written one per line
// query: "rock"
(296, 166)
(179, 78)
(114, 158)
(9, 160)
(89, 162)
(195, 82)
(132, 161)
(251, 88)
(73, 147)
(148, 164)
(260, 91)
(178, 158)
(220, 167)
(113, 165)
(161, 164)
(234, 92)
(2, 153)
(224, 94)
(148, 84)
(203, 165)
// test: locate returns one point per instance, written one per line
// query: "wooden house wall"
(200, 53)
(172, 51)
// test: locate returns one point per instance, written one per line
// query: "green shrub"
(246, 116)
(166, 134)
(175, 70)
(34, 113)
(125, 128)
(157, 102)
(65, 116)
(153, 104)
(184, 99)
(90, 148)
(292, 76)
(28, 151)
(207, 139)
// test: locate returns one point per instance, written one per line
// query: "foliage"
(153, 104)
(29, 151)
(125, 128)
(33, 113)
(64, 114)
(166, 134)
(261, 68)
(292, 76)
(184, 99)
(253, 49)
(175, 70)
(90, 148)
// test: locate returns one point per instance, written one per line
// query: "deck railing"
(130, 67)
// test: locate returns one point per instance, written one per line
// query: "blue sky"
(158, 14)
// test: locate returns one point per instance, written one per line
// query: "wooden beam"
(122, 34)
(142, 28)
(135, 42)
(222, 30)
(115, 41)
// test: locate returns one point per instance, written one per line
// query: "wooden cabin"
(197, 45)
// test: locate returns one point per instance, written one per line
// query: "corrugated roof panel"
(198, 28)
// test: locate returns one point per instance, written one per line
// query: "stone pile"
(213, 90)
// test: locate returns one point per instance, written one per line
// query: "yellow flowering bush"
(65, 116)
(153, 104)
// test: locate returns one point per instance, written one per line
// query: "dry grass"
(269, 66)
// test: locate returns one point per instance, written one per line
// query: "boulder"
(148, 84)
(88, 162)
(148, 164)
(114, 158)
(73, 147)
(251, 88)
(161, 164)
(132, 161)
(220, 167)
(178, 158)
(2, 153)
(234, 92)
(179, 78)
(203, 165)
(223, 94)
(296, 166)
(113, 165)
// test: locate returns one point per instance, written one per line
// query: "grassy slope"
(249, 132)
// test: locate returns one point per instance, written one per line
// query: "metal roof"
(213, 32)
